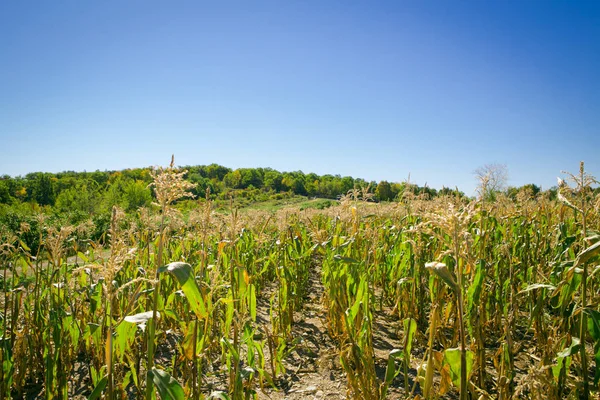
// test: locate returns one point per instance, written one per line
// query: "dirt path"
(313, 370)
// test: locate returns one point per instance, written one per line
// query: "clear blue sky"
(370, 89)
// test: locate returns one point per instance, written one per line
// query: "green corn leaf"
(452, 359)
(561, 363)
(572, 349)
(410, 327)
(168, 387)
(225, 342)
(597, 360)
(83, 257)
(24, 246)
(125, 335)
(134, 375)
(185, 277)
(252, 295)
(127, 379)
(94, 332)
(346, 260)
(97, 392)
(474, 291)
(572, 283)
(593, 323)
(390, 372)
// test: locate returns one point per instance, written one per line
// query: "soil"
(313, 368)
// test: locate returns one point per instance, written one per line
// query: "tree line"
(27, 203)
(91, 192)
(85, 194)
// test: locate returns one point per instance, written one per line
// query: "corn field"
(488, 299)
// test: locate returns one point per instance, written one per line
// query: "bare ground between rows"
(313, 367)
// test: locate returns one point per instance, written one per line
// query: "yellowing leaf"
(442, 272)
(587, 254)
(222, 245)
(445, 381)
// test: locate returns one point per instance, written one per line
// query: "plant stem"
(109, 347)
(152, 325)
(583, 325)
(461, 324)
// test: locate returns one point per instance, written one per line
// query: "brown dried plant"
(55, 243)
(169, 185)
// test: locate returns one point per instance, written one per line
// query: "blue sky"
(372, 89)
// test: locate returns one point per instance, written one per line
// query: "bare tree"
(492, 178)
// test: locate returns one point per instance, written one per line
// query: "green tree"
(530, 190)
(346, 183)
(78, 199)
(5, 197)
(444, 191)
(202, 183)
(136, 194)
(127, 194)
(216, 171)
(384, 191)
(250, 177)
(273, 180)
(294, 181)
(233, 179)
(41, 188)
